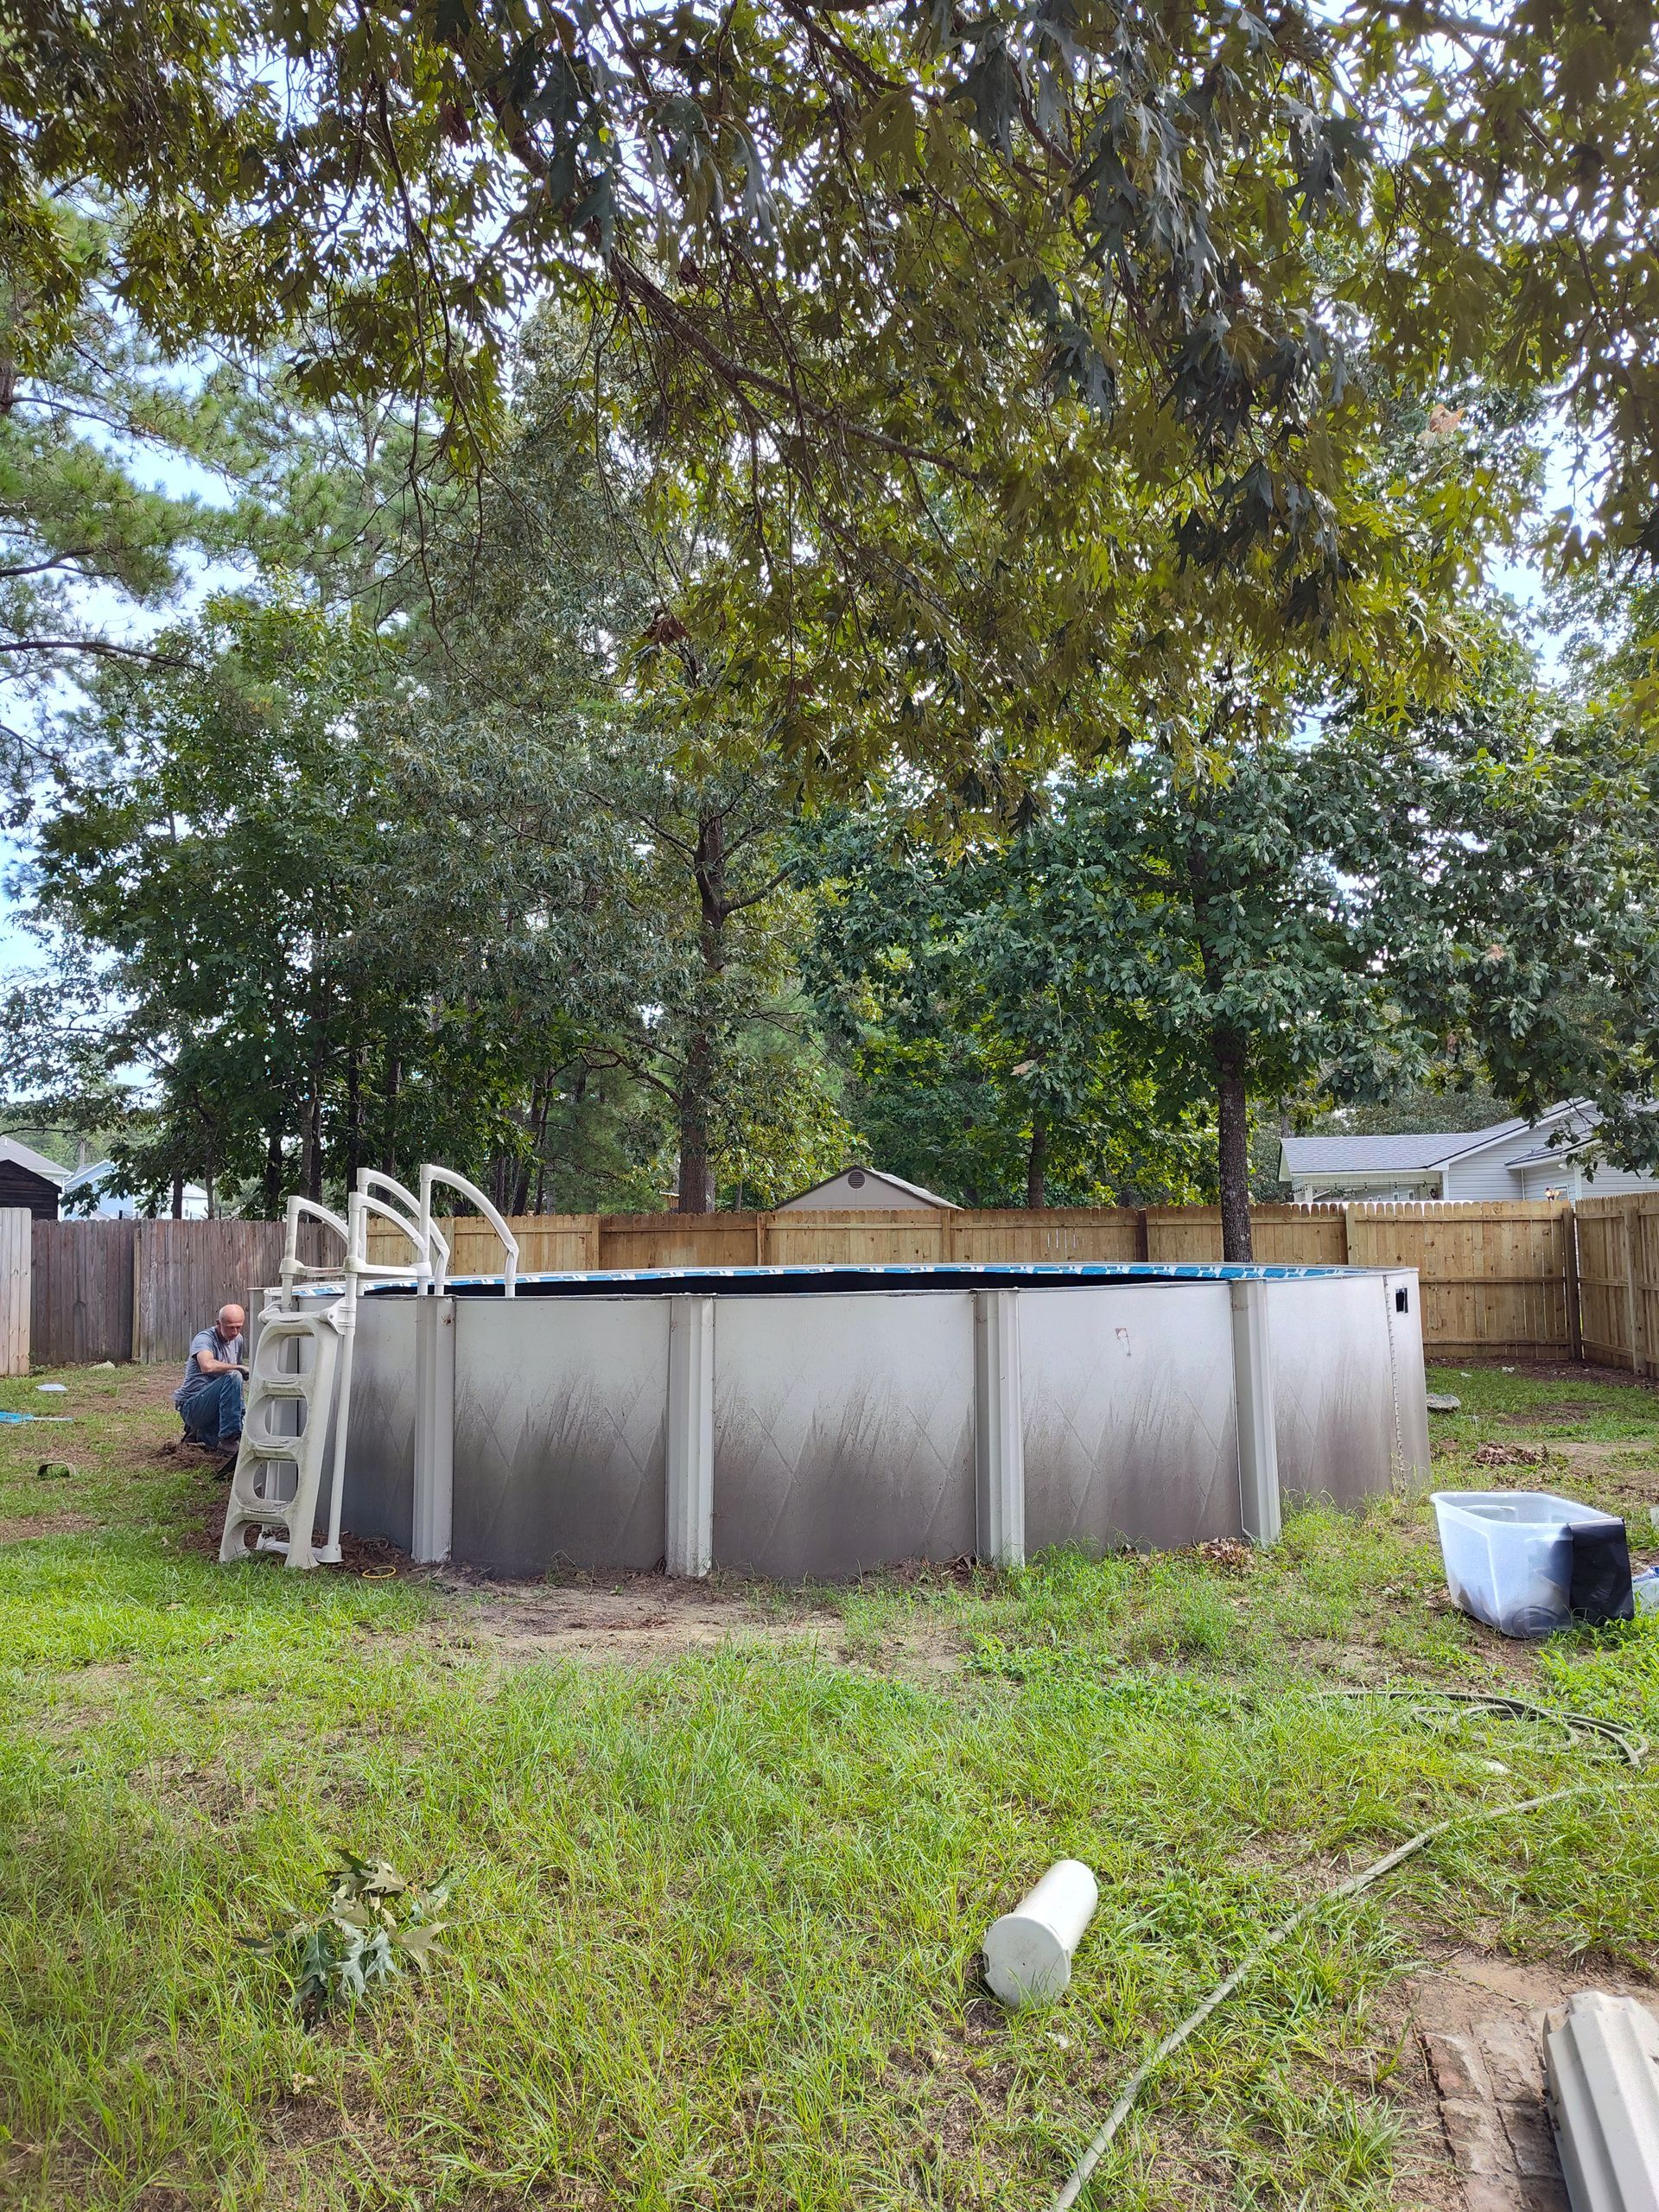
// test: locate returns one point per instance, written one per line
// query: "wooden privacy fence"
(1618, 1281)
(1497, 1279)
(122, 1290)
(81, 1299)
(14, 1291)
(1524, 1280)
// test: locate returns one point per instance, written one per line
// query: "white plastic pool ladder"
(278, 1475)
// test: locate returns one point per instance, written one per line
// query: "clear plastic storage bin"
(1509, 1555)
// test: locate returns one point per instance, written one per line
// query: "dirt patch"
(1543, 1370)
(1509, 1455)
(46, 1524)
(1477, 2135)
(633, 1617)
(371, 1556)
(1230, 1553)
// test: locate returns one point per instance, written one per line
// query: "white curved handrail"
(429, 1175)
(376, 1178)
(298, 1210)
(363, 1204)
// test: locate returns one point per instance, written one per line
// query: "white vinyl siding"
(1487, 1175)
(1607, 1182)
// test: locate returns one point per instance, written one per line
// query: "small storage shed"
(28, 1179)
(856, 1187)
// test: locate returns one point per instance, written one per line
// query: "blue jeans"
(213, 1414)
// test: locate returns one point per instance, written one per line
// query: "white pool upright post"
(1258, 1443)
(433, 1512)
(688, 1541)
(999, 1431)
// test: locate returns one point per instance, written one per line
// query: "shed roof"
(876, 1175)
(18, 1154)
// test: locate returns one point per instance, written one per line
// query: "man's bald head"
(230, 1318)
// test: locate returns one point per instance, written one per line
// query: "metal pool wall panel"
(380, 1458)
(1130, 1432)
(1333, 1386)
(560, 1431)
(844, 1431)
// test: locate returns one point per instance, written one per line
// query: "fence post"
(1570, 1271)
(1644, 1355)
(140, 1230)
(1641, 1350)
(16, 1237)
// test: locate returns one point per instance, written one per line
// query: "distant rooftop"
(865, 1176)
(13, 1150)
(1418, 1152)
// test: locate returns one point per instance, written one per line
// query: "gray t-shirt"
(217, 1347)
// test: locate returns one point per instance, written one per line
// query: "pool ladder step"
(279, 1473)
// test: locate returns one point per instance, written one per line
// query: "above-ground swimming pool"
(818, 1422)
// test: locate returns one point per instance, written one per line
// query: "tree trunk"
(701, 1059)
(178, 1198)
(548, 1082)
(1233, 1129)
(1229, 1054)
(695, 1193)
(526, 1159)
(389, 1131)
(273, 1185)
(1037, 1159)
(354, 1114)
(311, 1145)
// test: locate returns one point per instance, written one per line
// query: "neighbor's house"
(30, 1180)
(86, 1192)
(1555, 1157)
(857, 1187)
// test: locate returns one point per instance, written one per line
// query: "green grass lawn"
(714, 1934)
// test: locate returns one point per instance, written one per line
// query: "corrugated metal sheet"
(1602, 2066)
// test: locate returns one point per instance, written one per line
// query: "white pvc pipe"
(429, 1175)
(422, 1238)
(421, 1271)
(369, 1180)
(356, 1247)
(292, 1264)
(1028, 1951)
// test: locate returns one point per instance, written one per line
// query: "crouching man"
(210, 1396)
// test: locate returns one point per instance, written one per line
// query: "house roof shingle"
(1383, 1155)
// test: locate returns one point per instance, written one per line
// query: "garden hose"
(1631, 1747)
